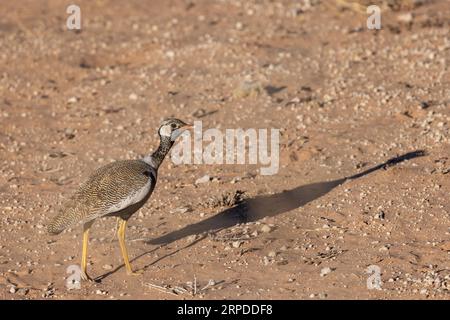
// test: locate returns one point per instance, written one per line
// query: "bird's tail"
(57, 225)
(67, 217)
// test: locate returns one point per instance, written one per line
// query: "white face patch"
(165, 130)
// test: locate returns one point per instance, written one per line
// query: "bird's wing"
(115, 187)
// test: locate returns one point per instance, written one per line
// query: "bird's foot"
(135, 273)
(86, 277)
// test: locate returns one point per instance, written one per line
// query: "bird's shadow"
(271, 205)
(259, 207)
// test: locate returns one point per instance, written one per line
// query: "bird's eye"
(173, 125)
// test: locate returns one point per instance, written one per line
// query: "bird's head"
(172, 128)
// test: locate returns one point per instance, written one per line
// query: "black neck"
(164, 147)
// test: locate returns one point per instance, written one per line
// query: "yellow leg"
(84, 274)
(117, 227)
(123, 248)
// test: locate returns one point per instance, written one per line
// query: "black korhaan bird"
(118, 189)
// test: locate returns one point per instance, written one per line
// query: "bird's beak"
(179, 131)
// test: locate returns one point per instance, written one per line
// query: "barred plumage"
(117, 189)
(106, 192)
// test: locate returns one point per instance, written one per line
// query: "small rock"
(107, 267)
(69, 133)
(236, 244)
(325, 271)
(211, 282)
(266, 229)
(48, 293)
(424, 105)
(191, 238)
(23, 291)
(405, 17)
(72, 100)
(446, 246)
(170, 54)
(133, 96)
(101, 292)
(183, 209)
(203, 179)
(272, 254)
(248, 88)
(379, 215)
(12, 289)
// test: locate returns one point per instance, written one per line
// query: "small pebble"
(203, 179)
(266, 229)
(72, 100)
(325, 271)
(272, 254)
(101, 292)
(236, 244)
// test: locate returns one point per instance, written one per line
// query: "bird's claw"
(135, 273)
(86, 277)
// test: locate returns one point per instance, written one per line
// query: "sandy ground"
(345, 98)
